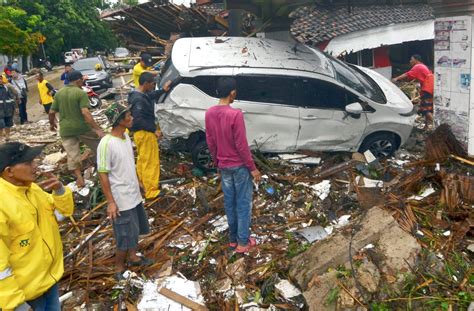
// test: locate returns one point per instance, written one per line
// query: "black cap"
(14, 153)
(146, 58)
(74, 75)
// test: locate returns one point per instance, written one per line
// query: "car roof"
(191, 54)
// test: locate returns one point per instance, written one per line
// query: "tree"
(15, 41)
(66, 24)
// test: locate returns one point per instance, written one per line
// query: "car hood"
(93, 74)
(396, 99)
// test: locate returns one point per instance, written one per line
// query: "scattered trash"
(426, 192)
(321, 189)
(287, 290)
(154, 299)
(307, 161)
(292, 156)
(314, 233)
(84, 191)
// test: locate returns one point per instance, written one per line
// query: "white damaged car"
(293, 98)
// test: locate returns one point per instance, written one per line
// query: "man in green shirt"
(76, 123)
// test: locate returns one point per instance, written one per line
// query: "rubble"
(390, 218)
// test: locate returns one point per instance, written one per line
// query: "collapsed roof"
(151, 23)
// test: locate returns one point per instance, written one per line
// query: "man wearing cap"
(8, 97)
(31, 261)
(76, 123)
(15, 65)
(116, 167)
(145, 64)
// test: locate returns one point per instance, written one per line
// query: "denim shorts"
(129, 225)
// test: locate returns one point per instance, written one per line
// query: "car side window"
(207, 84)
(322, 95)
(265, 89)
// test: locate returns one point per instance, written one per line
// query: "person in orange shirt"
(422, 74)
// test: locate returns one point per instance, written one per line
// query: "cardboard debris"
(153, 300)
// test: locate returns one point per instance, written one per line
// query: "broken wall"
(454, 98)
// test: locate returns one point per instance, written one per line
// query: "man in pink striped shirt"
(227, 142)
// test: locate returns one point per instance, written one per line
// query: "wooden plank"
(182, 300)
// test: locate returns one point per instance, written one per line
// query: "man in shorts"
(424, 76)
(117, 173)
(8, 97)
(76, 123)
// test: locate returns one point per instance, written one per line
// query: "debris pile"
(334, 231)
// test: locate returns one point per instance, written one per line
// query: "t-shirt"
(115, 157)
(137, 71)
(226, 137)
(68, 102)
(64, 77)
(422, 74)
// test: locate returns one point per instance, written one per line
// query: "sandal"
(232, 245)
(244, 249)
(143, 262)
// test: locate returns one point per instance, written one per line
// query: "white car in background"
(293, 98)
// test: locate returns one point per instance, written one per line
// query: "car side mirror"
(354, 108)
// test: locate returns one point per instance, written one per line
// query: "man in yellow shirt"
(31, 260)
(46, 92)
(145, 64)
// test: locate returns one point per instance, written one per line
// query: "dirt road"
(35, 110)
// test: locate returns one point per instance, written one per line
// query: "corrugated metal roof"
(315, 24)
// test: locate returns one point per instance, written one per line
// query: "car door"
(271, 118)
(324, 123)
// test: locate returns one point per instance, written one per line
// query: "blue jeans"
(237, 187)
(49, 301)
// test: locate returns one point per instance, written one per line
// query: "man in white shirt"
(117, 173)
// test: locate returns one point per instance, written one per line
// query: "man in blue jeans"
(227, 142)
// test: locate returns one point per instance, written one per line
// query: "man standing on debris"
(46, 92)
(8, 97)
(64, 77)
(227, 141)
(146, 61)
(21, 86)
(424, 76)
(76, 123)
(31, 261)
(116, 167)
(146, 133)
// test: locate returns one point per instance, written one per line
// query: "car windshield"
(86, 64)
(357, 81)
(170, 73)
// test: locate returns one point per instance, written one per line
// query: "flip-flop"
(232, 245)
(243, 249)
(143, 262)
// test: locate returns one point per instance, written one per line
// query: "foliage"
(65, 24)
(15, 41)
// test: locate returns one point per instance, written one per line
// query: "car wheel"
(95, 102)
(382, 145)
(201, 157)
